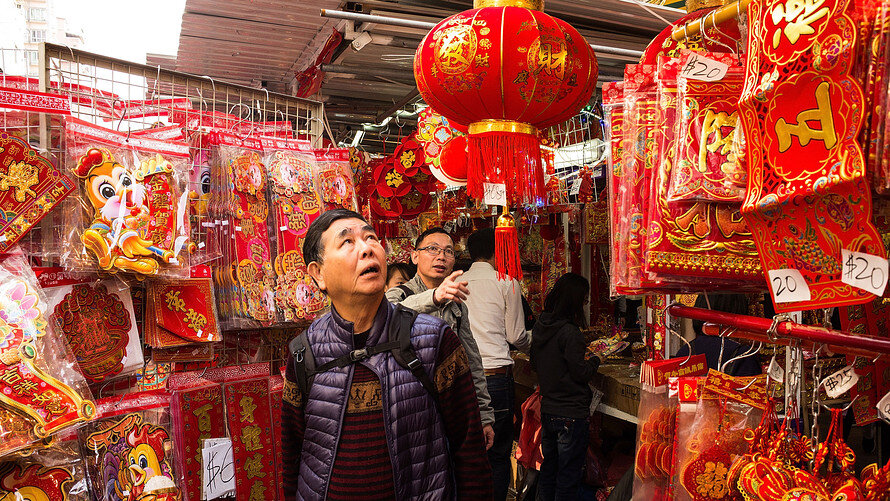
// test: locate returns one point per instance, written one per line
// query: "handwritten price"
(702, 68)
(864, 271)
(840, 382)
(788, 286)
(495, 193)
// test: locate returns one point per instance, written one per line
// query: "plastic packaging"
(53, 474)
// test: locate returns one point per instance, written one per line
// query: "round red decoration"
(505, 71)
(453, 162)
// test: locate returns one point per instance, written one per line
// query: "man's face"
(432, 257)
(353, 261)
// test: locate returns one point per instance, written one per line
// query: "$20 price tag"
(698, 67)
(495, 193)
(840, 382)
(788, 286)
(864, 271)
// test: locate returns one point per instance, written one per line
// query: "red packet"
(185, 309)
(250, 427)
(198, 414)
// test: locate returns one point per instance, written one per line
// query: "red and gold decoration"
(444, 146)
(248, 409)
(180, 312)
(198, 414)
(35, 483)
(30, 186)
(808, 197)
(505, 69)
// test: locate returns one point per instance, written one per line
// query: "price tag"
(775, 371)
(788, 286)
(597, 397)
(495, 193)
(282, 228)
(884, 407)
(840, 382)
(698, 67)
(208, 224)
(864, 271)
(217, 468)
(576, 186)
(598, 172)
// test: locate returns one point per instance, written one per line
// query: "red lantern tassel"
(506, 248)
(507, 157)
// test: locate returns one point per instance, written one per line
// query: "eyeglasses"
(435, 250)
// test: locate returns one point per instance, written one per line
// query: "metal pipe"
(406, 77)
(807, 345)
(410, 23)
(810, 333)
(710, 19)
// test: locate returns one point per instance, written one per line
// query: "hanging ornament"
(505, 69)
(506, 245)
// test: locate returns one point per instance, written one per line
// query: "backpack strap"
(304, 363)
(401, 323)
(407, 290)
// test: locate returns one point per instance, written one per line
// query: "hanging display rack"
(773, 331)
(710, 20)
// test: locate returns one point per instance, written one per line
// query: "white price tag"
(238, 228)
(282, 228)
(698, 67)
(495, 193)
(775, 371)
(840, 382)
(788, 286)
(884, 407)
(576, 186)
(598, 172)
(864, 271)
(208, 224)
(217, 469)
(200, 245)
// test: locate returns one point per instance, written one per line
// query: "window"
(31, 56)
(37, 36)
(37, 14)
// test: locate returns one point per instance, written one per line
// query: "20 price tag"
(884, 407)
(698, 67)
(840, 382)
(495, 193)
(864, 271)
(788, 286)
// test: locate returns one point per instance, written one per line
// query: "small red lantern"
(505, 69)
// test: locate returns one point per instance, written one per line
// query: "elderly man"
(435, 290)
(361, 420)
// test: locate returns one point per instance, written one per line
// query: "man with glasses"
(435, 290)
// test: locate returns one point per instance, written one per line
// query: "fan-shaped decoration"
(444, 147)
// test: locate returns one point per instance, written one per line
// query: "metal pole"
(410, 23)
(809, 333)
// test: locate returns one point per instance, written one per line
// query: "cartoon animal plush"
(121, 219)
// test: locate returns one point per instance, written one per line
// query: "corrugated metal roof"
(266, 42)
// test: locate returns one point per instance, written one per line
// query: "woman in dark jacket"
(557, 355)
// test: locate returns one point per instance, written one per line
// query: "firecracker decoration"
(98, 327)
(35, 483)
(808, 197)
(30, 186)
(505, 69)
(133, 222)
(506, 247)
(48, 404)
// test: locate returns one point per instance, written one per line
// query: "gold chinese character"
(552, 60)
(805, 133)
(11, 376)
(174, 302)
(257, 492)
(196, 321)
(203, 415)
(247, 408)
(713, 125)
(253, 467)
(250, 436)
(25, 386)
(799, 14)
(20, 177)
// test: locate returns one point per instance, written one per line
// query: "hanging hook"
(749, 353)
(688, 346)
(842, 409)
(753, 380)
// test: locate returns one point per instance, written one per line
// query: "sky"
(126, 29)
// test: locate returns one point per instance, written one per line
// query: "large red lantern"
(505, 69)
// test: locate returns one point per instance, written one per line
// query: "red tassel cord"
(506, 248)
(509, 158)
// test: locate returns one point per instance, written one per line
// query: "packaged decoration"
(335, 182)
(295, 204)
(247, 268)
(52, 474)
(130, 212)
(128, 452)
(657, 426)
(41, 390)
(613, 114)
(98, 321)
(200, 183)
(180, 312)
